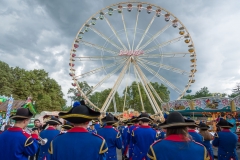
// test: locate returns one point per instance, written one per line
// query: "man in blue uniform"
(78, 143)
(191, 131)
(135, 121)
(49, 133)
(15, 143)
(126, 136)
(67, 126)
(91, 128)
(142, 137)
(97, 125)
(177, 144)
(226, 141)
(111, 135)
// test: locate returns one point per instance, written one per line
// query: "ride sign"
(131, 53)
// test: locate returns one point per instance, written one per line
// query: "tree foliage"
(21, 84)
(132, 96)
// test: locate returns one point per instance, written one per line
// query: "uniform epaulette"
(198, 143)
(103, 147)
(118, 135)
(152, 154)
(50, 149)
(28, 142)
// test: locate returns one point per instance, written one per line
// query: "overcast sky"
(39, 35)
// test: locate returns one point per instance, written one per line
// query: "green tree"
(21, 84)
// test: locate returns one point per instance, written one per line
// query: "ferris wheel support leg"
(126, 88)
(139, 90)
(155, 105)
(114, 89)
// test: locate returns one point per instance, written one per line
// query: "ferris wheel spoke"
(115, 33)
(89, 73)
(125, 29)
(164, 66)
(105, 38)
(135, 29)
(98, 47)
(167, 55)
(161, 78)
(115, 87)
(147, 90)
(163, 44)
(145, 32)
(99, 58)
(155, 36)
(104, 79)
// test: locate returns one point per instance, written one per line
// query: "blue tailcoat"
(125, 139)
(226, 141)
(50, 133)
(131, 145)
(113, 139)
(92, 130)
(208, 146)
(162, 135)
(174, 147)
(97, 126)
(142, 137)
(195, 136)
(16, 144)
(78, 144)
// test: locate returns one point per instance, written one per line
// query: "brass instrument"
(42, 141)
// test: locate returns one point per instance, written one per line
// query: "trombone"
(42, 141)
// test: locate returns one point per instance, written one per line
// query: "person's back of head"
(6, 127)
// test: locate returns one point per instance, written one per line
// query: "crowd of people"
(86, 137)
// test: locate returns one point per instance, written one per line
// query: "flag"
(9, 108)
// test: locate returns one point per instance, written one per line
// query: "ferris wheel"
(133, 41)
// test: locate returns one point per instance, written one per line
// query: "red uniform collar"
(226, 130)
(176, 138)
(191, 130)
(15, 129)
(50, 128)
(145, 127)
(78, 129)
(108, 126)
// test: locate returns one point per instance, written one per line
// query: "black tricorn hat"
(134, 119)
(53, 121)
(224, 124)
(79, 114)
(144, 117)
(67, 126)
(21, 114)
(175, 119)
(109, 119)
(203, 126)
(191, 123)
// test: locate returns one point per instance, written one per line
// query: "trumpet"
(42, 141)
